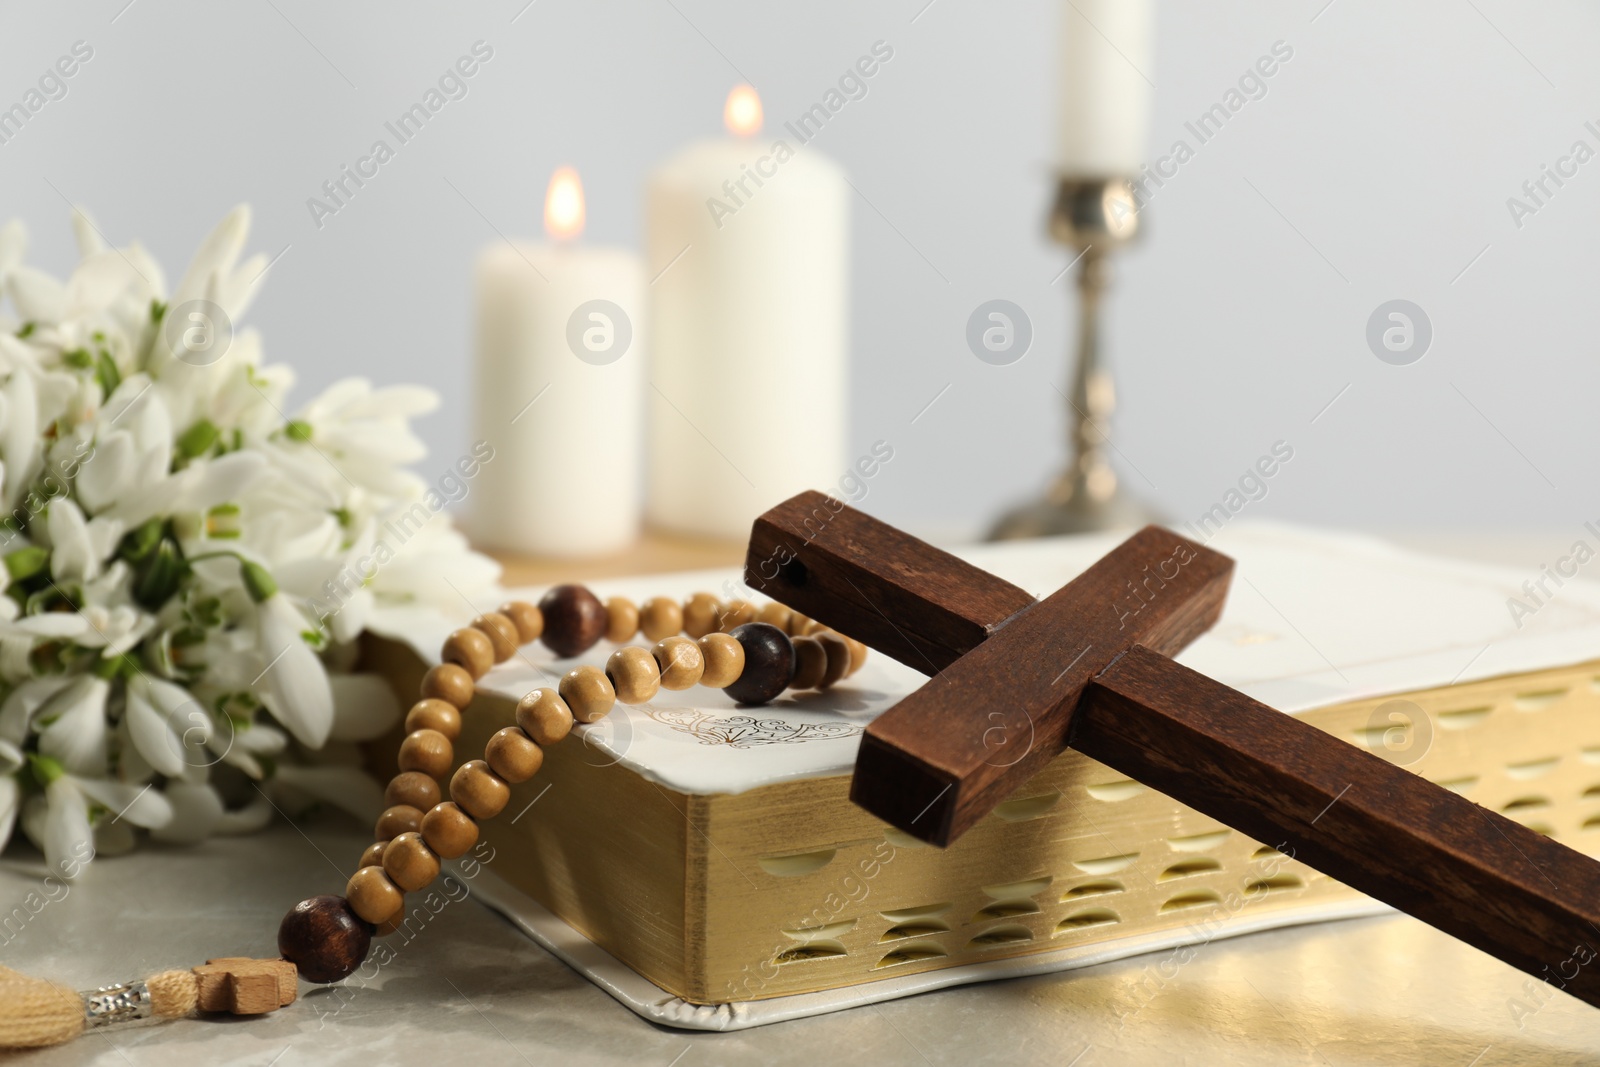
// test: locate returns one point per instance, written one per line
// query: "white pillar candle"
(1105, 97)
(750, 242)
(560, 389)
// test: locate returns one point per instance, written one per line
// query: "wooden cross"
(1016, 680)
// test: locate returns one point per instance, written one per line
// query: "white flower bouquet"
(180, 558)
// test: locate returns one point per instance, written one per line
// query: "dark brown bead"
(810, 662)
(768, 663)
(574, 620)
(324, 939)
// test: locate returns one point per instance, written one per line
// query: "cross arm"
(1471, 872)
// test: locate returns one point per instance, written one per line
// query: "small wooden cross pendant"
(1015, 680)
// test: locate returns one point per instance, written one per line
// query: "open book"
(713, 850)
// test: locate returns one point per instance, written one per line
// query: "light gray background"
(1377, 167)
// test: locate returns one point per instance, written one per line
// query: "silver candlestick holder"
(1095, 217)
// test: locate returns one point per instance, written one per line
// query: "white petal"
(68, 840)
(16, 713)
(138, 804)
(76, 730)
(20, 438)
(196, 811)
(104, 476)
(73, 558)
(364, 707)
(348, 788)
(52, 624)
(98, 281)
(84, 232)
(37, 296)
(293, 683)
(13, 246)
(217, 253)
(151, 732)
(10, 793)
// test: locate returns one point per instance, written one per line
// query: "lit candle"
(560, 396)
(1105, 97)
(749, 242)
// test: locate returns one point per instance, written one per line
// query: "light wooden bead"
(544, 716)
(724, 659)
(837, 650)
(700, 615)
(384, 929)
(469, 649)
(680, 662)
(633, 673)
(430, 714)
(373, 856)
(622, 619)
(660, 617)
(448, 682)
(526, 617)
(512, 755)
(396, 820)
(479, 791)
(427, 751)
(796, 625)
(775, 614)
(449, 831)
(412, 788)
(810, 663)
(587, 691)
(735, 613)
(410, 863)
(858, 654)
(502, 634)
(813, 628)
(373, 896)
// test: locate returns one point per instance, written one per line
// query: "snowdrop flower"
(10, 792)
(58, 821)
(170, 540)
(73, 725)
(293, 683)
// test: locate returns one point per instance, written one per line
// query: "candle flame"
(742, 112)
(563, 205)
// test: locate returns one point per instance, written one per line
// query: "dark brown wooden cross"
(1016, 680)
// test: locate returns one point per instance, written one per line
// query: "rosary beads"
(753, 655)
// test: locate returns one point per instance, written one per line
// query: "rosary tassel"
(35, 1012)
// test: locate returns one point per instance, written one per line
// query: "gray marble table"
(471, 989)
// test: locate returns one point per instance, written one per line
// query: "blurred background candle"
(560, 389)
(1104, 111)
(749, 251)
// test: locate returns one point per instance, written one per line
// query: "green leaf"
(44, 769)
(78, 357)
(106, 373)
(27, 330)
(198, 439)
(161, 576)
(257, 581)
(24, 563)
(158, 311)
(298, 430)
(138, 543)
